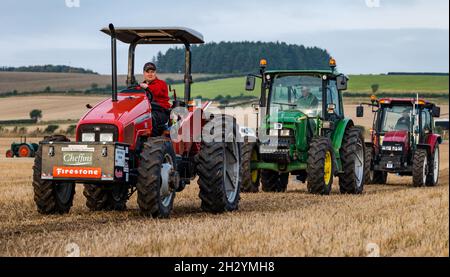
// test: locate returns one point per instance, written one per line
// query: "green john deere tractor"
(303, 132)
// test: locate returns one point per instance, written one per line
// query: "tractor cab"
(401, 127)
(295, 94)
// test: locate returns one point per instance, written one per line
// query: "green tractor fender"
(337, 138)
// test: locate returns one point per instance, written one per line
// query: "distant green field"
(393, 83)
(358, 83)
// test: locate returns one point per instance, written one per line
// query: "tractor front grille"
(276, 151)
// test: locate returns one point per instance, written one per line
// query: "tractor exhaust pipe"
(113, 62)
(187, 73)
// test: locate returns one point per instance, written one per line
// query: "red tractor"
(115, 155)
(403, 141)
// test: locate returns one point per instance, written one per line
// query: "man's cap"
(149, 66)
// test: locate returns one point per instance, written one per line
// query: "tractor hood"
(286, 117)
(396, 137)
(127, 108)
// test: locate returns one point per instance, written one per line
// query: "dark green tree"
(36, 114)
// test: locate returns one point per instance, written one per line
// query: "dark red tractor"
(403, 140)
(115, 155)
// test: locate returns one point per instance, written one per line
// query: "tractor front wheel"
(433, 176)
(420, 167)
(9, 154)
(353, 158)
(379, 177)
(320, 168)
(157, 182)
(102, 198)
(273, 181)
(250, 178)
(51, 197)
(368, 173)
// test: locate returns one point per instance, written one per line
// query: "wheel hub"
(327, 168)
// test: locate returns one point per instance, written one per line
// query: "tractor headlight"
(285, 133)
(273, 133)
(106, 137)
(88, 137)
(386, 148)
(397, 148)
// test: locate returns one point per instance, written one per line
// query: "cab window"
(333, 96)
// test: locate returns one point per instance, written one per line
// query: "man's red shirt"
(160, 93)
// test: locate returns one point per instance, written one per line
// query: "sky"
(365, 36)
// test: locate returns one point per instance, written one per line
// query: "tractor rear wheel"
(25, 151)
(320, 168)
(250, 178)
(219, 165)
(102, 198)
(9, 154)
(379, 177)
(273, 181)
(51, 197)
(433, 176)
(420, 167)
(352, 157)
(156, 184)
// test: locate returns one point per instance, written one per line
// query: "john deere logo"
(77, 158)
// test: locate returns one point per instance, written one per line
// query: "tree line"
(47, 68)
(243, 57)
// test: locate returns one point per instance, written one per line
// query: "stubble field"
(389, 220)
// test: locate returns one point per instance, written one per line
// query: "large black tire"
(420, 167)
(250, 179)
(320, 176)
(106, 198)
(156, 151)
(273, 181)
(379, 177)
(218, 165)
(352, 157)
(368, 173)
(433, 171)
(51, 197)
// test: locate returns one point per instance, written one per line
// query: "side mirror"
(342, 82)
(436, 111)
(89, 106)
(250, 83)
(360, 111)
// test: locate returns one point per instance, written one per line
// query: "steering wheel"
(137, 88)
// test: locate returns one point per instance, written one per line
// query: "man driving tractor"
(404, 121)
(307, 100)
(160, 104)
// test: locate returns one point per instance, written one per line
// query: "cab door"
(333, 97)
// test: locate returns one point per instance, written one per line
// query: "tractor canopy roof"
(301, 72)
(157, 35)
(404, 101)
